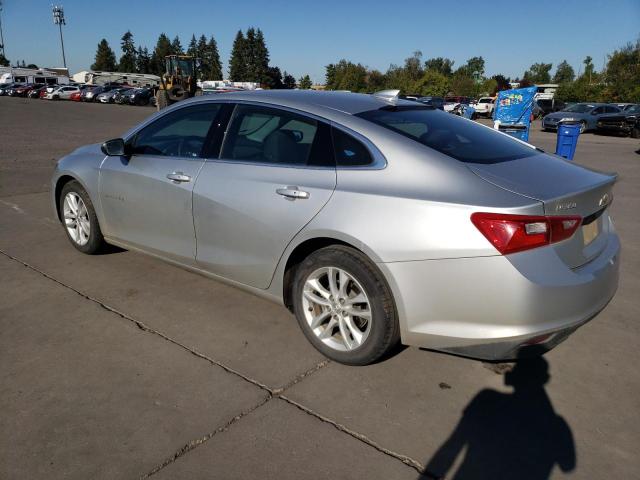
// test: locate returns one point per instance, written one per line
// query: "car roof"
(345, 102)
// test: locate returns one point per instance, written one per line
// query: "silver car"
(585, 114)
(374, 220)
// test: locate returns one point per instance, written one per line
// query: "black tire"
(96, 240)
(384, 332)
(635, 132)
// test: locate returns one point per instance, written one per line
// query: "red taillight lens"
(515, 233)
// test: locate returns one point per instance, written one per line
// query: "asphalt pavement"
(122, 366)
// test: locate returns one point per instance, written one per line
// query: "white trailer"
(98, 77)
(42, 76)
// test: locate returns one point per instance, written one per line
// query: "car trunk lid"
(564, 189)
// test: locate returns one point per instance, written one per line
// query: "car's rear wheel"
(344, 307)
(635, 132)
(583, 127)
(79, 218)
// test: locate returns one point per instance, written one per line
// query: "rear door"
(274, 174)
(147, 197)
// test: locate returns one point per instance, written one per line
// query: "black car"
(35, 93)
(141, 96)
(626, 122)
(122, 95)
(437, 102)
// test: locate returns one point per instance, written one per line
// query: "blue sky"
(304, 36)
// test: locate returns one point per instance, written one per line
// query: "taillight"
(515, 233)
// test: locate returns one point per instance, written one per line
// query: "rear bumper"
(494, 308)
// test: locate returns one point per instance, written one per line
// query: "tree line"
(619, 80)
(248, 62)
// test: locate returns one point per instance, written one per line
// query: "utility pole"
(1, 34)
(58, 19)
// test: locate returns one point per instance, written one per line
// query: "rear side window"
(348, 151)
(181, 133)
(271, 135)
(451, 135)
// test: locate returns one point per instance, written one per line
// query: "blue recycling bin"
(567, 140)
(516, 130)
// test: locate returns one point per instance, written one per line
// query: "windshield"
(580, 108)
(633, 109)
(456, 137)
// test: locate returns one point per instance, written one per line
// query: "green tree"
(589, 68)
(502, 82)
(128, 58)
(288, 81)
(474, 68)
(176, 46)
(432, 83)
(305, 83)
(622, 74)
(538, 73)
(564, 73)
(238, 59)
(162, 49)
(192, 48)
(105, 59)
(4, 61)
(441, 65)
(143, 60)
(346, 75)
(212, 61)
(274, 79)
(462, 84)
(375, 80)
(33, 66)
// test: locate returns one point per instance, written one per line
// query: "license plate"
(590, 232)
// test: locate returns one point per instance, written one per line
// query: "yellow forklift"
(178, 82)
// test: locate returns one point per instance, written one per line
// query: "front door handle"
(292, 193)
(178, 177)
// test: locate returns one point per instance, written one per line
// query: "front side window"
(181, 133)
(451, 135)
(270, 135)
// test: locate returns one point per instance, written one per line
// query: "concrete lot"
(121, 366)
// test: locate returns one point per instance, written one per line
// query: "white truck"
(484, 106)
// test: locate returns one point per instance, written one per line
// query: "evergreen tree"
(260, 58)
(176, 46)
(128, 58)
(564, 73)
(105, 58)
(143, 61)
(163, 48)
(4, 61)
(212, 56)
(274, 79)
(238, 59)
(288, 81)
(305, 83)
(192, 49)
(251, 56)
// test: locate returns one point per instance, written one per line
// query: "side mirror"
(114, 148)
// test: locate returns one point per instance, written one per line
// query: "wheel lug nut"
(342, 300)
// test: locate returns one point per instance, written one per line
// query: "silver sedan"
(374, 220)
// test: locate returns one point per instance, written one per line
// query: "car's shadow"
(108, 249)
(508, 435)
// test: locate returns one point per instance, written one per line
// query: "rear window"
(456, 137)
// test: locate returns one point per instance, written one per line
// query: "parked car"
(35, 92)
(484, 106)
(5, 87)
(436, 102)
(625, 122)
(141, 96)
(623, 106)
(369, 217)
(122, 95)
(75, 96)
(89, 92)
(24, 90)
(108, 97)
(586, 114)
(62, 93)
(13, 91)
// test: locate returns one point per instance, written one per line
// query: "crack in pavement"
(271, 392)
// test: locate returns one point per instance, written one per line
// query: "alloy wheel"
(336, 308)
(76, 218)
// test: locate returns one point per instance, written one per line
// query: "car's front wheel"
(79, 218)
(344, 306)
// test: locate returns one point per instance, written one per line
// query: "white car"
(62, 93)
(484, 106)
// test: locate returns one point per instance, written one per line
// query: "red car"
(76, 97)
(23, 90)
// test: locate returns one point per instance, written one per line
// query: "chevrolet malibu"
(374, 220)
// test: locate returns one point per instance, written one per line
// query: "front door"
(275, 173)
(147, 198)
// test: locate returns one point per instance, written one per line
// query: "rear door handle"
(178, 177)
(292, 193)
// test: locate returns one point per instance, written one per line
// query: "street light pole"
(1, 34)
(58, 19)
